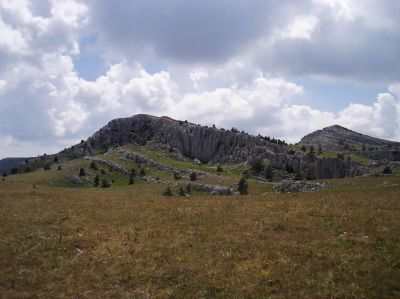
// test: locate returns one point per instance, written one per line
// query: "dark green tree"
(96, 181)
(269, 175)
(387, 170)
(82, 172)
(131, 179)
(193, 176)
(189, 189)
(243, 186)
(93, 165)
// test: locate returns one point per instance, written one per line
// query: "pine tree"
(82, 172)
(96, 181)
(193, 176)
(243, 186)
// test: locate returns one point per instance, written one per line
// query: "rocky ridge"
(213, 145)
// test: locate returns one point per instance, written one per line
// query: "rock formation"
(209, 144)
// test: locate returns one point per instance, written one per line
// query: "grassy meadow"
(131, 242)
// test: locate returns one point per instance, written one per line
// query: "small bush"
(56, 159)
(269, 175)
(177, 176)
(219, 168)
(93, 165)
(102, 171)
(59, 167)
(131, 179)
(189, 189)
(243, 186)
(82, 172)
(47, 167)
(96, 181)
(168, 192)
(340, 156)
(193, 176)
(142, 172)
(181, 192)
(387, 170)
(105, 183)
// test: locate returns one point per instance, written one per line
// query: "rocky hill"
(185, 141)
(212, 145)
(337, 138)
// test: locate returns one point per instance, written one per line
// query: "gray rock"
(213, 189)
(216, 145)
(288, 186)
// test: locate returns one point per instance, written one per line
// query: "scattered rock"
(214, 189)
(288, 186)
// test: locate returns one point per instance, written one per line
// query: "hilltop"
(338, 138)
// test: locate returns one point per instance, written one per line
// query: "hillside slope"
(7, 164)
(338, 138)
(182, 140)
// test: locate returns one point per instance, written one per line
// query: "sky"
(278, 68)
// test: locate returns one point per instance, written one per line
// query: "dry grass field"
(128, 242)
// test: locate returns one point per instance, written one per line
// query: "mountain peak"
(339, 138)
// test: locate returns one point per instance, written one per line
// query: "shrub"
(59, 167)
(340, 156)
(96, 181)
(243, 186)
(131, 179)
(168, 192)
(47, 167)
(82, 172)
(219, 168)
(193, 176)
(303, 148)
(142, 172)
(320, 150)
(177, 175)
(256, 164)
(387, 170)
(4, 174)
(269, 175)
(102, 171)
(93, 166)
(188, 188)
(246, 174)
(105, 183)
(181, 192)
(56, 159)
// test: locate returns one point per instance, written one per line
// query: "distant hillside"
(7, 164)
(337, 138)
(183, 140)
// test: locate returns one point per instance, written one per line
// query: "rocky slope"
(337, 138)
(212, 145)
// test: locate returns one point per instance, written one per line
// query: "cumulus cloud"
(229, 63)
(381, 119)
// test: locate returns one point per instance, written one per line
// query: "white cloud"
(237, 69)
(381, 119)
(302, 27)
